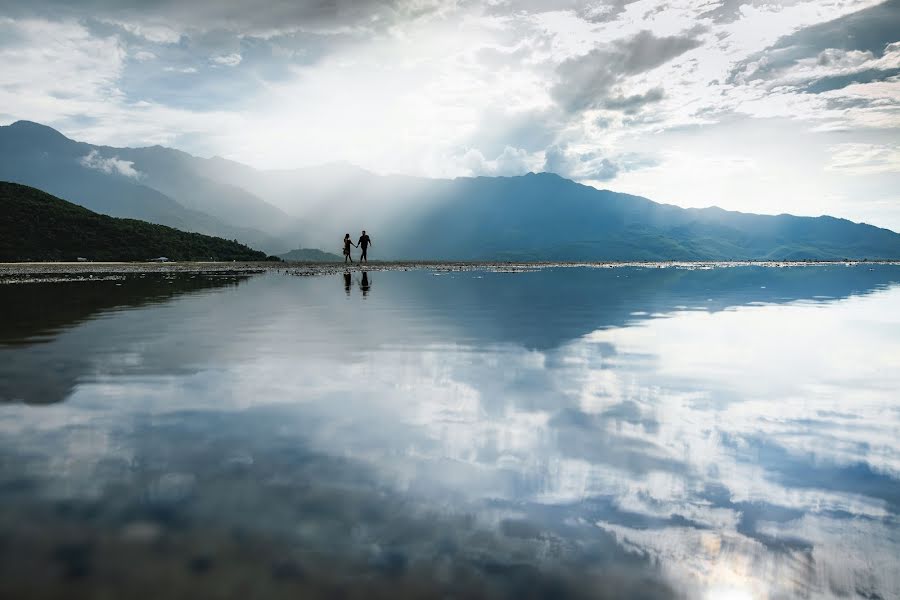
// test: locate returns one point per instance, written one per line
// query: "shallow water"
(628, 432)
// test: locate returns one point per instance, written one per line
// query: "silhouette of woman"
(347, 243)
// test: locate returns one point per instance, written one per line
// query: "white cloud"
(180, 69)
(144, 55)
(227, 60)
(57, 73)
(835, 62)
(111, 166)
(512, 161)
(57, 69)
(152, 32)
(865, 159)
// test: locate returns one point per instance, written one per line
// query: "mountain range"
(35, 226)
(537, 216)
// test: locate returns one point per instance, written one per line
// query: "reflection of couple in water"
(363, 244)
(364, 284)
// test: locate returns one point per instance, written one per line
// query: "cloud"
(166, 21)
(70, 76)
(227, 60)
(864, 159)
(602, 170)
(852, 44)
(632, 104)
(161, 34)
(512, 161)
(111, 166)
(561, 160)
(186, 70)
(592, 80)
(592, 11)
(556, 160)
(728, 11)
(830, 69)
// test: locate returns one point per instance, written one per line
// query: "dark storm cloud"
(273, 15)
(867, 31)
(590, 81)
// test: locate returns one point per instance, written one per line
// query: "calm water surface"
(629, 432)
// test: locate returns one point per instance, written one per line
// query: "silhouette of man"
(364, 285)
(363, 243)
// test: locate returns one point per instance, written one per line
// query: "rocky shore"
(66, 271)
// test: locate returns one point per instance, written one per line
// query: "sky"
(766, 106)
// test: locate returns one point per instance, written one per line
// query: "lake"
(566, 432)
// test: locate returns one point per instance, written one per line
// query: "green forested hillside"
(35, 226)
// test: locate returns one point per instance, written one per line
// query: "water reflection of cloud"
(738, 448)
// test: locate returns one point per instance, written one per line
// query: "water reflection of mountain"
(34, 370)
(538, 310)
(43, 308)
(547, 308)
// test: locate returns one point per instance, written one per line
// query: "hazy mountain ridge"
(311, 255)
(180, 176)
(543, 216)
(539, 217)
(529, 217)
(151, 184)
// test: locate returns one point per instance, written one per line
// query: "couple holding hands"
(363, 243)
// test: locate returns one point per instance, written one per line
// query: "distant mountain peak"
(32, 128)
(340, 166)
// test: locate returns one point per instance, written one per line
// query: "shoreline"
(17, 272)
